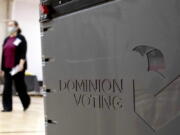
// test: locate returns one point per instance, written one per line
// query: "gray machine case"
(114, 69)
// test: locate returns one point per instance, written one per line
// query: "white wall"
(3, 17)
(26, 12)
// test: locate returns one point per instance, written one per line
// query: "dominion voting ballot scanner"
(111, 67)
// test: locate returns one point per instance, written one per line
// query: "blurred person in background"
(13, 67)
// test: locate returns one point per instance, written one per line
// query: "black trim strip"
(75, 5)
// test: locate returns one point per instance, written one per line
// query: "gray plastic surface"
(116, 69)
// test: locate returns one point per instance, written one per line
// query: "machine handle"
(48, 59)
(48, 121)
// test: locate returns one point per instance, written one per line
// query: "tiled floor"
(19, 122)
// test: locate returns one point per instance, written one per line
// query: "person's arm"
(23, 50)
(2, 59)
(21, 64)
(2, 56)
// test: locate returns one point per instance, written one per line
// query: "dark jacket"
(20, 53)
